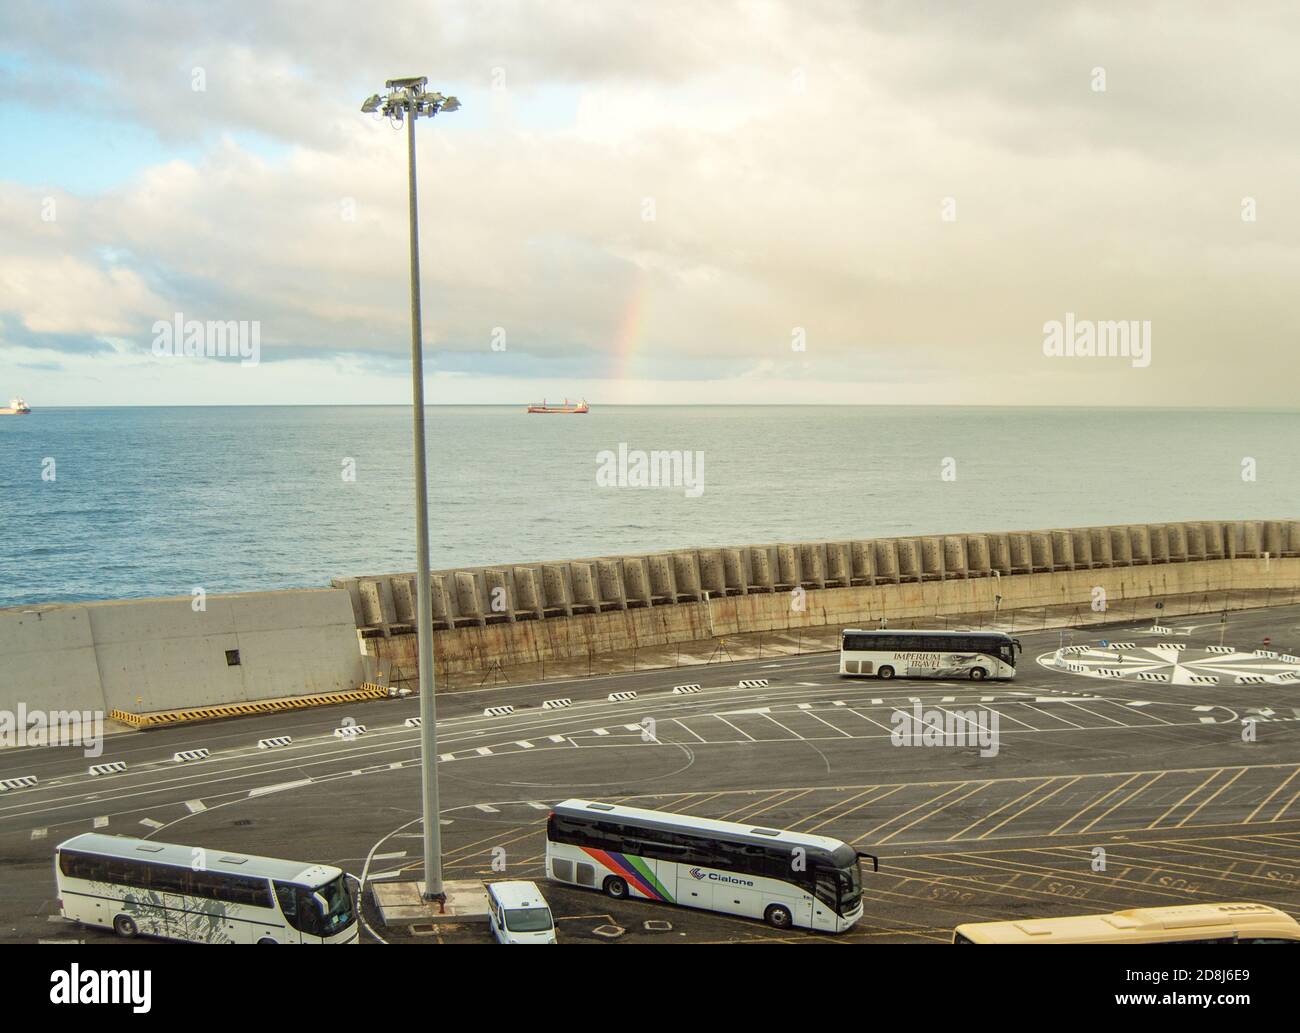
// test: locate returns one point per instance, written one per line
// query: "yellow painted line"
(1136, 792)
(1025, 810)
(1270, 796)
(1221, 788)
(829, 807)
(1186, 796)
(1285, 806)
(930, 814)
(864, 803)
(1041, 783)
(752, 803)
(923, 803)
(1091, 804)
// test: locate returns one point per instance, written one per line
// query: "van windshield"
(528, 919)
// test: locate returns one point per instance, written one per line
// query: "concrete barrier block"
(887, 568)
(440, 601)
(1216, 546)
(376, 602)
(663, 589)
(500, 607)
(977, 555)
(1022, 561)
(582, 577)
(609, 577)
(1139, 540)
(812, 571)
(636, 578)
(1081, 545)
(687, 576)
(1158, 536)
(839, 567)
(787, 567)
(863, 557)
(1292, 546)
(1194, 539)
(1121, 547)
(932, 559)
(1000, 553)
(713, 578)
(909, 559)
(469, 605)
(760, 569)
(555, 590)
(1062, 546)
(1274, 541)
(1040, 551)
(405, 603)
(1176, 543)
(528, 598)
(734, 571)
(1099, 541)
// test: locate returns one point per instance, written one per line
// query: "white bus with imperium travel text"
(927, 654)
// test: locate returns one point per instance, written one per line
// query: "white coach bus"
(786, 878)
(928, 654)
(135, 886)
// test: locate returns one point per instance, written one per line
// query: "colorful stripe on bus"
(635, 872)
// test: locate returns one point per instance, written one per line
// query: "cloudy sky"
(653, 202)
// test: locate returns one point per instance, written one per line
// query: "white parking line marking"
(151, 823)
(195, 806)
(486, 808)
(263, 790)
(99, 823)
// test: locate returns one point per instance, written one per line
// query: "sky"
(727, 202)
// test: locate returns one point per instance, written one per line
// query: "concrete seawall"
(160, 654)
(528, 613)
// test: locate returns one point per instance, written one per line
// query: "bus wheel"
(885, 672)
(616, 887)
(778, 916)
(125, 926)
(266, 939)
(978, 674)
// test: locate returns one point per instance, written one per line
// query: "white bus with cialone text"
(784, 878)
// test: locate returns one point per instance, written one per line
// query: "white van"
(518, 913)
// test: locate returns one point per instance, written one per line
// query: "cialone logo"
(697, 874)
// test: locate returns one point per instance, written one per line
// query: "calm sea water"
(155, 501)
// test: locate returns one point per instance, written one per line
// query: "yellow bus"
(1183, 923)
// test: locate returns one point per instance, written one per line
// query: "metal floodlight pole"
(407, 98)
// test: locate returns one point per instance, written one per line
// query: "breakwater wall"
(148, 655)
(525, 613)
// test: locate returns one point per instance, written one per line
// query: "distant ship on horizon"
(580, 406)
(17, 407)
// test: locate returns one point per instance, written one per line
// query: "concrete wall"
(529, 612)
(158, 654)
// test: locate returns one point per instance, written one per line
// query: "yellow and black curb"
(367, 691)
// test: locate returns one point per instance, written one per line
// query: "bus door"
(826, 890)
(289, 897)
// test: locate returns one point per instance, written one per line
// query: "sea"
(115, 503)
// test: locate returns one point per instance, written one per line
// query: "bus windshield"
(337, 905)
